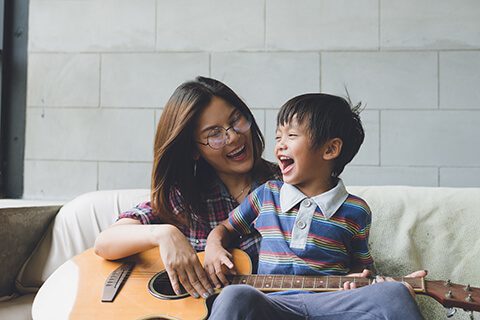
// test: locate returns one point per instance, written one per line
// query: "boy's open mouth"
(286, 164)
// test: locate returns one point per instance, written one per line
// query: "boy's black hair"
(326, 117)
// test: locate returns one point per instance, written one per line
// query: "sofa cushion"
(21, 228)
(19, 308)
(416, 228)
(73, 231)
(413, 228)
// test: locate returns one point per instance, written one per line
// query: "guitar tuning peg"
(471, 315)
(469, 298)
(451, 312)
(447, 283)
(467, 288)
(449, 295)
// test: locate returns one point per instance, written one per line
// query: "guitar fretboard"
(311, 283)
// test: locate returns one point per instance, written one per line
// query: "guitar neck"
(448, 294)
(269, 283)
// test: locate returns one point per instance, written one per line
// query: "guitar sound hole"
(159, 286)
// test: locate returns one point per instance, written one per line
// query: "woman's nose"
(231, 135)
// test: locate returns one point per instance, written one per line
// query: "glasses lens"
(242, 125)
(217, 138)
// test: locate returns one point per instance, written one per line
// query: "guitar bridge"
(115, 280)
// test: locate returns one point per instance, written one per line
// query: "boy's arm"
(239, 222)
(216, 254)
(361, 256)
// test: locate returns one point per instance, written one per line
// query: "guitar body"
(75, 290)
(134, 301)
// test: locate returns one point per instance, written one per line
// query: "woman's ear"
(333, 148)
(196, 156)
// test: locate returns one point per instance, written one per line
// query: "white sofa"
(413, 228)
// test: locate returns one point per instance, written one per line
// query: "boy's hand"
(216, 259)
(364, 274)
(416, 274)
(348, 285)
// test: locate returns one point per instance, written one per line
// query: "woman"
(207, 158)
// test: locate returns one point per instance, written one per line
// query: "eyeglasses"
(218, 137)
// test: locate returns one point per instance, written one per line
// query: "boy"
(309, 223)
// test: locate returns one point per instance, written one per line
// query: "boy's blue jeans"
(386, 300)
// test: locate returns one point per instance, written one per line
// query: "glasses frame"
(226, 134)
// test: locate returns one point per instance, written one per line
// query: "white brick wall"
(321, 24)
(460, 79)
(383, 80)
(210, 25)
(138, 80)
(430, 24)
(101, 70)
(63, 80)
(92, 25)
(267, 80)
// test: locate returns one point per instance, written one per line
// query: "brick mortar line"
(260, 50)
(88, 161)
(438, 79)
(131, 108)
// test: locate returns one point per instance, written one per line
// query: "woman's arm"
(128, 236)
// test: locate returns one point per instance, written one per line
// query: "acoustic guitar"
(137, 287)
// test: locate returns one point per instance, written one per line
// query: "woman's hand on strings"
(182, 265)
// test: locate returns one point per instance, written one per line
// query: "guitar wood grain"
(134, 301)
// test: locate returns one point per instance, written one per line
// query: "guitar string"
(287, 278)
(144, 274)
(148, 276)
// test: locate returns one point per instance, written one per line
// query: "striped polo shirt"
(326, 234)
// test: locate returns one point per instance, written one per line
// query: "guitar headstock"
(453, 295)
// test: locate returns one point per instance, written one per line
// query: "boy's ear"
(333, 148)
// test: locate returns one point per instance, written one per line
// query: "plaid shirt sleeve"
(142, 212)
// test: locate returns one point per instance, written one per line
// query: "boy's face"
(301, 165)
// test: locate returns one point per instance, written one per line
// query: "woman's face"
(236, 156)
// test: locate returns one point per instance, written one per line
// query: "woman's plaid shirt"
(217, 201)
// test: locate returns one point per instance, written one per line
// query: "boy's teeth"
(286, 161)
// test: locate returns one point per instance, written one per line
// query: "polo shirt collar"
(328, 202)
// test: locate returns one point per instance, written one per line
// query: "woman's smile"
(239, 154)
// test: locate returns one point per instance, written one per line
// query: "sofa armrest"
(73, 231)
(21, 228)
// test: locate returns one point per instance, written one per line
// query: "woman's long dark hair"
(174, 148)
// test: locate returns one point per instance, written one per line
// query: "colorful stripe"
(333, 245)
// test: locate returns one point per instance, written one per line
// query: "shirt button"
(307, 203)
(301, 224)
(197, 241)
